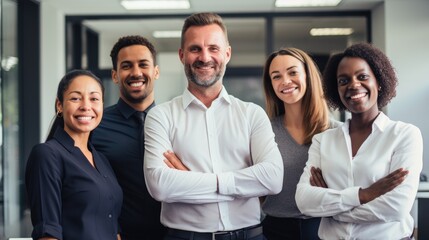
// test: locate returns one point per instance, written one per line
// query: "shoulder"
(45, 154)
(166, 107)
(405, 129)
(331, 133)
(247, 107)
(333, 123)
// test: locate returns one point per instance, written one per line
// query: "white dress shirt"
(232, 141)
(391, 145)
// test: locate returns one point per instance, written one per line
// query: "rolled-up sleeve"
(43, 184)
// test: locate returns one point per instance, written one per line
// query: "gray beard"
(195, 79)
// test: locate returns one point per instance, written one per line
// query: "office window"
(295, 32)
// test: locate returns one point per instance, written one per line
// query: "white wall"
(52, 66)
(406, 36)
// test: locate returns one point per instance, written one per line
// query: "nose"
(354, 83)
(286, 79)
(204, 55)
(135, 72)
(85, 104)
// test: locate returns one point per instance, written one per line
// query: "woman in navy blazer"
(72, 190)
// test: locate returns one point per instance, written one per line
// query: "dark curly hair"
(379, 64)
(129, 41)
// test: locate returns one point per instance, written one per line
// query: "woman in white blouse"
(362, 178)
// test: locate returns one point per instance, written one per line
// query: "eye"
(214, 49)
(194, 49)
(342, 81)
(143, 65)
(125, 66)
(293, 73)
(275, 77)
(74, 99)
(95, 99)
(363, 77)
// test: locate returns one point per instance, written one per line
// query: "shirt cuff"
(350, 196)
(226, 183)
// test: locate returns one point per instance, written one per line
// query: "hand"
(382, 186)
(173, 161)
(316, 178)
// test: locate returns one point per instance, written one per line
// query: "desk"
(423, 211)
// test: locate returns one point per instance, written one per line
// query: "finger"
(171, 157)
(321, 179)
(168, 163)
(316, 174)
(312, 183)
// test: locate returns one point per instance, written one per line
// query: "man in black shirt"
(120, 135)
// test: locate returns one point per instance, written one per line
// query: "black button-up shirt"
(69, 198)
(118, 137)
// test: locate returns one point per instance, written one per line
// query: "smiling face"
(82, 105)
(288, 78)
(205, 54)
(135, 74)
(357, 86)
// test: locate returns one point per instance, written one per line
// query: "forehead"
(205, 35)
(83, 82)
(285, 61)
(134, 52)
(353, 63)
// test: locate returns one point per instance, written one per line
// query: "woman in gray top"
(295, 104)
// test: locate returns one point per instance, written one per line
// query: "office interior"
(42, 39)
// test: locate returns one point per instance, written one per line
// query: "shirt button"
(110, 215)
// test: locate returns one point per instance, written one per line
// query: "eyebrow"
(287, 69)
(129, 61)
(80, 93)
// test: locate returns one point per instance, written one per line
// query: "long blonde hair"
(316, 113)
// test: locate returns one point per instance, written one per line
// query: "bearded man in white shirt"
(209, 155)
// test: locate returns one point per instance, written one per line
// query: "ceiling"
(245, 34)
(85, 7)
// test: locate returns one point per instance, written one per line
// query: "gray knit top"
(294, 158)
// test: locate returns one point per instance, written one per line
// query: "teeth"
(288, 90)
(136, 84)
(84, 118)
(358, 95)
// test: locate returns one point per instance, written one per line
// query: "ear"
(115, 76)
(156, 75)
(228, 54)
(181, 54)
(58, 105)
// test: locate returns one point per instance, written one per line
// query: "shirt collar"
(379, 123)
(189, 98)
(127, 111)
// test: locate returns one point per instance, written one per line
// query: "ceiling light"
(155, 4)
(167, 34)
(331, 31)
(306, 3)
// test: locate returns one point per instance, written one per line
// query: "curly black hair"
(379, 64)
(126, 41)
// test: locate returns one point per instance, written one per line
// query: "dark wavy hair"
(62, 88)
(379, 64)
(126, 41)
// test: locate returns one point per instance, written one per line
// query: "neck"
(294, 116)
(363, 120)
(80, 139)
(142, 105)
(205, 94)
